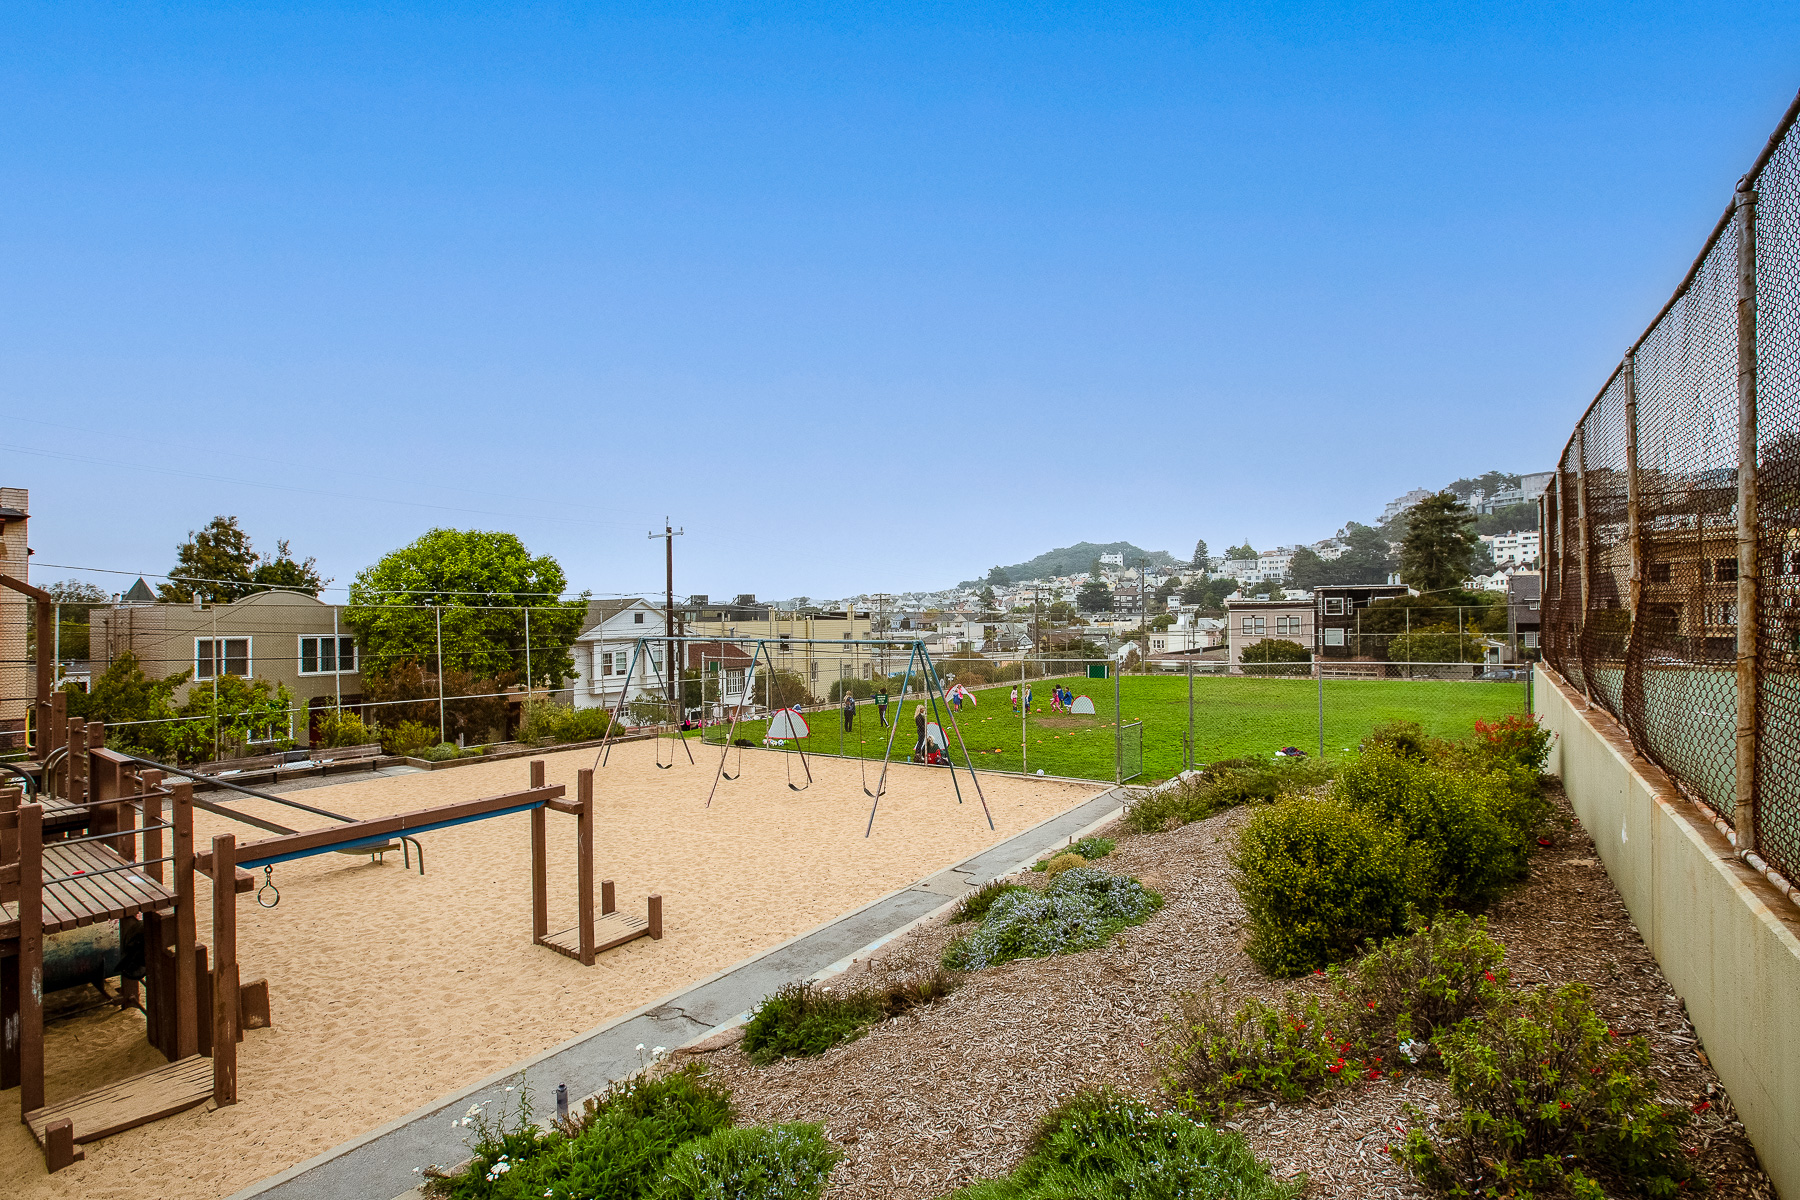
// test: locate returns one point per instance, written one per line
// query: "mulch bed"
(950, 1094)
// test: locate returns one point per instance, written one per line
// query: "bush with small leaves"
(1104, 1146)
(757, 1162)
(408, 738)
(1551, 1101)
(802, 1019)
(975, 905)
(1228, 784)
(1088, 849)
(1062, 862)
(1081, 909)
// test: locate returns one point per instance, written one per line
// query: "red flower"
(1371, 1004)
(1564, 1103)
(1703, 1106)
(1489, 976)
(1335, 1067)
(1374, 1074)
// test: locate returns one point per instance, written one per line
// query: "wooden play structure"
(82, 842)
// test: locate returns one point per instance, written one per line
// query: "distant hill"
(1071, 560)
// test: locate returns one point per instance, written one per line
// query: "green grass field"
(1233, 718)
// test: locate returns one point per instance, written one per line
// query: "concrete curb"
(380, 1163)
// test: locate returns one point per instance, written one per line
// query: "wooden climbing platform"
(92, 883)
(167, 1090)
(612, 929)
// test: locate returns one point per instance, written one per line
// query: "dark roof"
(139, 593)
(1524, 587)
(12, 514)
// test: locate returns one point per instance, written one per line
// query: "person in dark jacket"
(849, 710)
(919, 719)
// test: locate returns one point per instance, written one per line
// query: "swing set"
(788, 729)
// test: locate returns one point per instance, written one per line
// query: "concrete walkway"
(380, 1164)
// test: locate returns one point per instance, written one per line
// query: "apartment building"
(1251, 621)
(18, 676)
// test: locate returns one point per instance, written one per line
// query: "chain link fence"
(1672, 561)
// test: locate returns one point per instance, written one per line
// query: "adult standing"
(849, 709)
(919, 719)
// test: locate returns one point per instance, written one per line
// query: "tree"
(1365, 561)
(1438, 551)
(1208, 593)
(1094, 571)
(1094, 596)
(1198, 562)
(997, 575)
(218, 564)
(1165, 591)
(123, 692)
(988, 603)
(481, 585)
(1241, 552)
(284, 573)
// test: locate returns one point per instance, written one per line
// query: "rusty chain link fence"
(1672, 562)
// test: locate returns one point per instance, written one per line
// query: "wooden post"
(152, 809)
(31, 957)
(540, 885)
(10, 798)
(59, 1145)
(59, 721)
(1745, 817)
(584, 854)
(656, 917)
(225, 970)
(607, 901)
(9, 1022)
(187, 1029)
(76, 732)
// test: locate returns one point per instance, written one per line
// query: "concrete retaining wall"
(1728, 942)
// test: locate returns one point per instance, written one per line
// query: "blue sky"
(864, 297)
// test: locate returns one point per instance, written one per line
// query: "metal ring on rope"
(268, 885)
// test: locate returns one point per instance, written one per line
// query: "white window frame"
(637, 617)
(337, 657)
(1334, 606)
(217, 658)
(1334, 637)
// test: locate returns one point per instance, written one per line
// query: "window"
(1721, 614)
(1725, 570)
(221, 656)
(1659, 572)
(812, 668)
(1531, 641)
(734, 681)
(846, 636)
(637, 618)
(327, 656)
(1334, 637)
(656, 657)
(1334, 607)
(1256, 626)
(1287, 626)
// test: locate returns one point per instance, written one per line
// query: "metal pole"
(437, 614)
(1118, 734)
(1744, 816)
(527, 651)
(1190, 735)
(1024, 762)
(1584, 547)
(218, 660)
(1319, 667)
(338, 678)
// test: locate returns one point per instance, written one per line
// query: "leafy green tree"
(1241, 552)
(1165, 591)
(1095, 570)
(988, 604)
(1441, 646)
(997, 575)
(481, 583)
(223, 721)
(1198, 562)
(1511, 519)
(1208, 593)
(1365, 561)
(218, 564)
(122, 693)
(1094, 596)
(1439, 550)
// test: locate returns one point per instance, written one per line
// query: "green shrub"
(1377, 1019)
(1080, 910)
(1062, 862)
(1405, 738)
(408, 738)
(1407, 991)
(801, 1019)
(975, 905)
(759, 1162)
(336, 727)
(1087, 849)
(1222, 785)
(1551, 1100)
(616, 1150)
(1284, 1050)
(1103, 1146)
(1515, 741)
(445, 751)
(546, 720)
(1318, 878)
(1466, 831)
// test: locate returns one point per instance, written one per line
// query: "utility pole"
(668, 535)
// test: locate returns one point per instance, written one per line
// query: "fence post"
(1744, 814)
(1118, 729)
(1634, 530)
(1583, 549)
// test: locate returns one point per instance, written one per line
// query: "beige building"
(286, 638)
(1248, 622)
(18, 676)
(788, 635)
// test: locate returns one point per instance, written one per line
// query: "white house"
(604, 666)
(1190, 632)
(1515, 548)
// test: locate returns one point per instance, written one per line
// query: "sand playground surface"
(389, 990)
